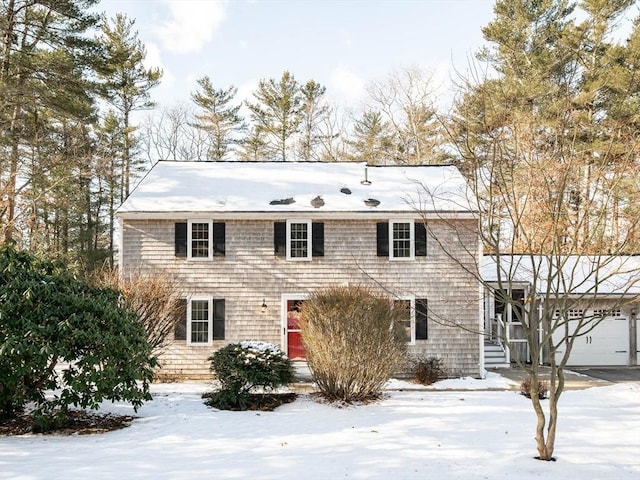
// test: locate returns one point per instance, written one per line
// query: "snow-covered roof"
(574, 274)
(173, 186)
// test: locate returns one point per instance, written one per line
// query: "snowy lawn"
(410, 434)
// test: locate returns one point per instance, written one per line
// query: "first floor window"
(405, 317)
(412, 316)
(201, 320)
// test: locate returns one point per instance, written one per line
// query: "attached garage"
(607, 344)
(574, 287)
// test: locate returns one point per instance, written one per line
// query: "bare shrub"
(426, 370)
(152, 296)
(353, 341)
(542, 389)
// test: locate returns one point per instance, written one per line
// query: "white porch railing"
(499, 333)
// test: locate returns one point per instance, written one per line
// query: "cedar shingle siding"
(249, 264)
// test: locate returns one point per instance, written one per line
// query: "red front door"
(295, 349)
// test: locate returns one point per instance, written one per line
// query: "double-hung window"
(199, 235)
(411, 314)
(199, 315)
(199, 239)
(401, 239)
(200, 320)
(298, 239)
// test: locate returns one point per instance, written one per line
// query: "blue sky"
(341, 44)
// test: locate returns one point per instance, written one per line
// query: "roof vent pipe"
(366, 177)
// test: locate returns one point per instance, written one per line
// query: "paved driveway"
(611, 374)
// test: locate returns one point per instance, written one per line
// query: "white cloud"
(246, 89)
(154, 57)
(168, 80)
(345, 84)
(191, 25)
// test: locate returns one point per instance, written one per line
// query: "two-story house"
(248, 242)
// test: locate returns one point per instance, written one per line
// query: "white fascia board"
(270, 215)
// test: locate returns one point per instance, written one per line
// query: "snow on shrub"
(245, 368)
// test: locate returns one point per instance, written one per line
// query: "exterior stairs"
(495, 356)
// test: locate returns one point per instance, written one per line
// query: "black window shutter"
(218, 319)
(180, 325)
(421, 319)
(218, 239)
(383, 238)
(280, 239)
(181, 239)
(421, 239)
(317, 239)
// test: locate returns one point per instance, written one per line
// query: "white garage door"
(607, 344)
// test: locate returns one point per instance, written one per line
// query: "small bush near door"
(353, 341)
(248, 373)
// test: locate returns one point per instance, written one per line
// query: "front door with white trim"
(292, 337)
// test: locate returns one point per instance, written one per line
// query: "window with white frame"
(200, 319)
(298, 240)
(405, 317)
(401, 239)
(199, 235)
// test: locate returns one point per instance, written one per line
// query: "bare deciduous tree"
(169, 134)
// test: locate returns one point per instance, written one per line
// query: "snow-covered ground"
(411, 434)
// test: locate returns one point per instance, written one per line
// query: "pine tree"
(45, 60)
(276, 113)
(218, 117)
(314, 112)
(254, 146)
(126, 83)
(371, 140)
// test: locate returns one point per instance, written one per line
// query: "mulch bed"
(77, 422)
(264, 402)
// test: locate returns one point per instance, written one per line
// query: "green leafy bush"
(61, 336)
(245, 368)
(427, 370)
(353, 341)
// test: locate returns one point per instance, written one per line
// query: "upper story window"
(199, 239)
(298, 239)
(199, 234)
(401, 239)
